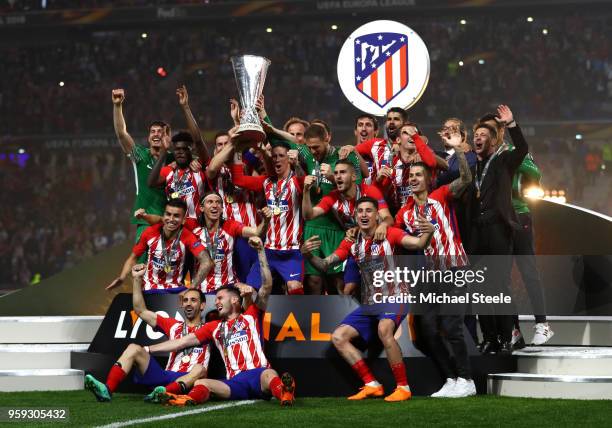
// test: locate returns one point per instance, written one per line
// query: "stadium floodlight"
(61, 83)
(578, 136)
(460, 63)
(269, 30)
(481, 61)
(545, 31)
(463, 22)
(530, 19)
(144, 35)
(334, 27)
(534, 192)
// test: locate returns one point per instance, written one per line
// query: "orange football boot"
(288, 390)
(367, 391)
(182, 400)
(400, 394)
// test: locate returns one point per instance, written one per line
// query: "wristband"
(513, 123)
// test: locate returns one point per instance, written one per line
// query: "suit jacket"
(497, 185)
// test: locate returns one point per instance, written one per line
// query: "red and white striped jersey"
(374, 256)
(284, 198)
(346, 207)
(445, 250)
(379, 150)
(156, 277)
(238, 203)
(399, 189)
(186, 185)
(222, 272)
(176, 329)
(239, 341)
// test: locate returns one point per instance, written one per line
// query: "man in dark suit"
(493, 221)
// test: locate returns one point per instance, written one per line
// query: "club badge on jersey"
(383, 64)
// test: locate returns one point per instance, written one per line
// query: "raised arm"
(246, 182)
(175, 344)
(125, 139)
(205, 266)
(194, 129)
(266, 275)
(516, 156)
(458, 185)
(138, 301)
(217, 161)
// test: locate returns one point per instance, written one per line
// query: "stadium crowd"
(72, 213)
(575, 49)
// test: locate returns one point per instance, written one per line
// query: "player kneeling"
(238, 337)
(183, 368)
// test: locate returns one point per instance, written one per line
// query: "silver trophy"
(250, 73)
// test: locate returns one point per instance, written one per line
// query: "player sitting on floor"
(238, 337)
(183, 368)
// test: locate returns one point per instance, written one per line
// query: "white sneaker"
(543, 333)
(463, 388)
(446, 389)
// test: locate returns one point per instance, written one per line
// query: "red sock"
(276, 387)
(362, 369)
(115, 377)
(174, 388)
(199, 393)
(296, 291)
(399, 373)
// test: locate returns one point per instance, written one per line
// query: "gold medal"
(229, 199)
(186, 359)
(174, 195)
(167, 268)
(277, 211)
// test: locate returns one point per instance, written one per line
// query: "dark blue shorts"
(245, 257)
(289, 264)
(365, 319)
(351, 272)
(247, 385)
(155, 375)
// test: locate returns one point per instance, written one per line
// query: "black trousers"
(524, 251)
(491, 246)
(442, 331)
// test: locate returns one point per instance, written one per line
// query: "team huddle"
(298, 215)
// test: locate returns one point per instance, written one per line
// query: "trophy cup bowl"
(250, 74)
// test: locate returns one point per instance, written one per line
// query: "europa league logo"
(250, 73)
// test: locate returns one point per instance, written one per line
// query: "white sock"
(373, 383)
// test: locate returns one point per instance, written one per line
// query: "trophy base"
(250, 136)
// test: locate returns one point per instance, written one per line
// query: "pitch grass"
(326, 412)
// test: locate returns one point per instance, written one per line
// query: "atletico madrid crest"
(383, 64)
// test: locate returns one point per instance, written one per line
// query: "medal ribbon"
(187, 351)
(179, 183)
(278, 196)
(212, 244)
(478, 182)
(167, 264)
